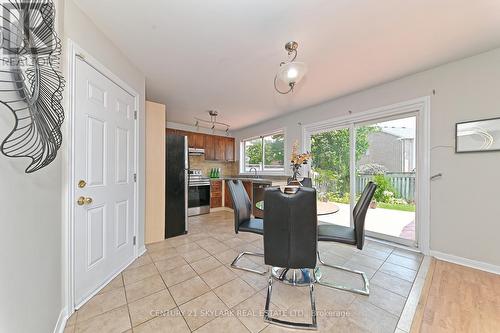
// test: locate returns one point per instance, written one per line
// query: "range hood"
(196, 151)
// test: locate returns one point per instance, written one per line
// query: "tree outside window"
(266, 153)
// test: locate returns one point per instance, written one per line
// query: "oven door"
(198, 199)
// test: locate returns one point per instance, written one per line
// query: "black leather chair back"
(306, 182)
(242, 205)
(359, 213)
(290, 228)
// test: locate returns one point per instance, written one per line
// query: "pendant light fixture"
(291, 71)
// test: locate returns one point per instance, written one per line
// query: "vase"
(296, 171)
(294, 181)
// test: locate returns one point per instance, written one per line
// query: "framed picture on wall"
(477, 136)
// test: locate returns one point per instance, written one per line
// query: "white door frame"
(421, 106)
(69, 181)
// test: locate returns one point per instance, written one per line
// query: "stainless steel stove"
(198, 193)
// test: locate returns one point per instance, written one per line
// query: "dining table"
(301, 276)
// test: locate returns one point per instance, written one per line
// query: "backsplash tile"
(226, 168)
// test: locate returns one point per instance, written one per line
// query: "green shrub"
(385, 192)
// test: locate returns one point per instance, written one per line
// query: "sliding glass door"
(346, 158)
(330, 170)
(388, 158)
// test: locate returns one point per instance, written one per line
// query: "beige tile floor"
(186, 284)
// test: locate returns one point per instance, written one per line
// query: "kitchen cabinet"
(199, 140)
(249, 189)
(190, 136)
(228, 202)
(196, 140)
(229, 149)
(210, 147)
(217, 148)
(220, 148)
(215, 193)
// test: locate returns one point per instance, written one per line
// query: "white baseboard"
(483, 266)
(142, 250)
(61, 322)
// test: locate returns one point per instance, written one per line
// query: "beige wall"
(464, 202)
(154, 229)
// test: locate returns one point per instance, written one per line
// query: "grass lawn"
(405, 208)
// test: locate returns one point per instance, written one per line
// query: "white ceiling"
(223, 54)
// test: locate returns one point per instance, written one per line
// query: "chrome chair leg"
(234, 264)
(290, 324)
(366, 289)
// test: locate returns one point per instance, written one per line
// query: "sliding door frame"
(419, 107)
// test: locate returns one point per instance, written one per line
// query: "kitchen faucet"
(255, 171)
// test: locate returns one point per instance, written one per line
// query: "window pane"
(274, 156)
(253, 154)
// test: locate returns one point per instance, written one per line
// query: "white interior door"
(104, 143)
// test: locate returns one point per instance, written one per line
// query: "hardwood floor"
(458, 299)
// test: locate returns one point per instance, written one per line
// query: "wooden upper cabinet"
(229, 149)
(199, 140)
(209, 147)
(191, 140)
(217, 148)
(181, 132)
(220, 148)
(196, 140)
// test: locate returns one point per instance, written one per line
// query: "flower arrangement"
(298, 159)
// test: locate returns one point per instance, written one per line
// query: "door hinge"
(135, 115)
(135, 177)
(134, 240)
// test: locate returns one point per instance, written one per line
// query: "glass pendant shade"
(292, 72)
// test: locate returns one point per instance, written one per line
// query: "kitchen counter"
(250, 179)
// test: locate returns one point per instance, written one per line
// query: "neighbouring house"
(392, 147)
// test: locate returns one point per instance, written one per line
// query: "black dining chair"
(290, 241)
(243, 220)
(352, 236)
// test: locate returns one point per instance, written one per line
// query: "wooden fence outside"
(403, 183)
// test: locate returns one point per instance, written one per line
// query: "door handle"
(84, 201)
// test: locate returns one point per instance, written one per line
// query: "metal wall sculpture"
(31, 84)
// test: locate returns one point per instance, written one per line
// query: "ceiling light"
(291, 71)
(212, 124)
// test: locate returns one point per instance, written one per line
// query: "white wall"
(465, 201)
(30, 250)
